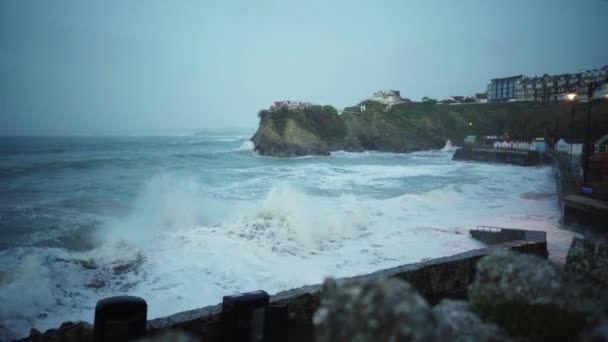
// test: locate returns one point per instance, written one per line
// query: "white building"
(389, 97)
(601, 91)
(481, 98)
(289, 104)
(565, 146)
(601, 145)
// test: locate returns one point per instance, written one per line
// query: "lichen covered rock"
(589, 258)
(531, 297)
(457, 322)
(373, 310)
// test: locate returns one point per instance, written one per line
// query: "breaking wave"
(449, 147)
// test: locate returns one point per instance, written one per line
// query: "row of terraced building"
(547, 88)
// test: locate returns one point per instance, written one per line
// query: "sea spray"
(167, 202)
(449, 147)
(247, 145)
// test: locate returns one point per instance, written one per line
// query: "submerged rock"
(531, 297)
(372, 310)
(457, 322)
(589, 258)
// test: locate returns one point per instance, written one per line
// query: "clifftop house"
(389, 97)
(289, 104)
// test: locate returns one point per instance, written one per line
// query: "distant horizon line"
(243, 130)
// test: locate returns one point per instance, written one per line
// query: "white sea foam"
(449, 147)
(247, 145)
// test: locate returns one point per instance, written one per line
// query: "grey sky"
(124, 67)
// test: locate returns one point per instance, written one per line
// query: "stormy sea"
(182, 221)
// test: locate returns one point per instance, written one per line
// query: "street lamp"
(571, 96)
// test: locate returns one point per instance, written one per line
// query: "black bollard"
(243, 316)
(121, 318)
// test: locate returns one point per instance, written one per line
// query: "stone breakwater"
(521, 158)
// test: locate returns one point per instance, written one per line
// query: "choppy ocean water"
(182, 221)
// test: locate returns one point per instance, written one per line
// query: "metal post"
(572, 128)
(587, 143)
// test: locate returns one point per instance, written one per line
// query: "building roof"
(507, 78)
(289, 103)
(567, 140)
(481, 96)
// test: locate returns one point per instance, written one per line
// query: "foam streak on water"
(184, 221)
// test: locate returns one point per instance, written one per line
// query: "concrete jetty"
(486, 154)
(585, 211)
(495, 235)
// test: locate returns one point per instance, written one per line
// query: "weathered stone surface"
(457, 322)
(76, 332)
(528, 296)
(589, 258)
(384, 309)
(596, 329)
(171, 336)
(51, 335)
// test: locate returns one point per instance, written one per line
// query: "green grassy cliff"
(417, 126)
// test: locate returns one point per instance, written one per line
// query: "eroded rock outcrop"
(531, 297)
(457, 322)
(389, 309)
(589, 258)
(312, 131)
(373, 310)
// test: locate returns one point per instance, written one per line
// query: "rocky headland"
(414, 126)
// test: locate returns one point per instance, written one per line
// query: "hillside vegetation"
(417, 126)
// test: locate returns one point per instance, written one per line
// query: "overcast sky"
(128, 67)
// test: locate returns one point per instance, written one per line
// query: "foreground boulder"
(67, 332)
(457, 322)
(589, 258)
(531, 297)
(373, 310)
(389, 309)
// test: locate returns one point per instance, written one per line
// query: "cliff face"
(313, 131)
(416, 126)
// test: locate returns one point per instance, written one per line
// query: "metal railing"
(489, 229)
